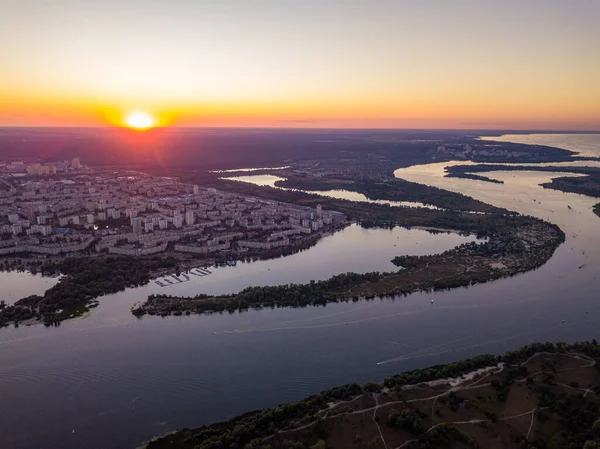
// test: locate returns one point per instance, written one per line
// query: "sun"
(140, 120)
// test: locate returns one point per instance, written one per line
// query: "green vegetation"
(567, 418)
(86, 279)
(467, 175)
(289, 295)
(405, 419)
(596, 209)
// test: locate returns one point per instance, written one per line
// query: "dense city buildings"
(77, 209)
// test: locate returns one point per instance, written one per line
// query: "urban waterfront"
(111, 380)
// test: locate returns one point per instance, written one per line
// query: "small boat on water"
(232, 263)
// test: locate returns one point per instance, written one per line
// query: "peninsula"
(514, 244)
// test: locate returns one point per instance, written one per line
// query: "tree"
(372, 387)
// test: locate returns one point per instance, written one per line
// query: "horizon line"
(314, 128)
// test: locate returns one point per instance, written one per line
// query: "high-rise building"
(196, 190)
(189, 217)
(319, 211)
(136, 224)
(178, 220)
(75, 163)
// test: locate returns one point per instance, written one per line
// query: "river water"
(110, 380)
(339, 194)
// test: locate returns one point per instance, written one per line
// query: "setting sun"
(140, 120)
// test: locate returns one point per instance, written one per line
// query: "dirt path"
(462, 384)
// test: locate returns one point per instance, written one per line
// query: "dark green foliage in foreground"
(405, 419)
(252, 430)
(86, 279)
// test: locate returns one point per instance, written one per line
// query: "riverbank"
(516, 245)
(539, 393)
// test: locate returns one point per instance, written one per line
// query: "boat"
(231, 263)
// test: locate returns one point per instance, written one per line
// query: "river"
(110, 380)
(339, 194)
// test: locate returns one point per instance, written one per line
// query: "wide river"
(110, 380)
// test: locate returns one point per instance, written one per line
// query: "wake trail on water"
(344, 323)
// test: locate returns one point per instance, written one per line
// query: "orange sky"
(353, 63)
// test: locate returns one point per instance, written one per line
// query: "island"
(543, 395)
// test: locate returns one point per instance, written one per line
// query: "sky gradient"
(521, 64)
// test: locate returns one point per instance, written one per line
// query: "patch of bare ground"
(498, 436)
(520, 400)
(472, 405)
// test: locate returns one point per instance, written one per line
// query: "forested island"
(540, 396)
(515, 244)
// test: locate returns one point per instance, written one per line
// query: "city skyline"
(468, 65)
